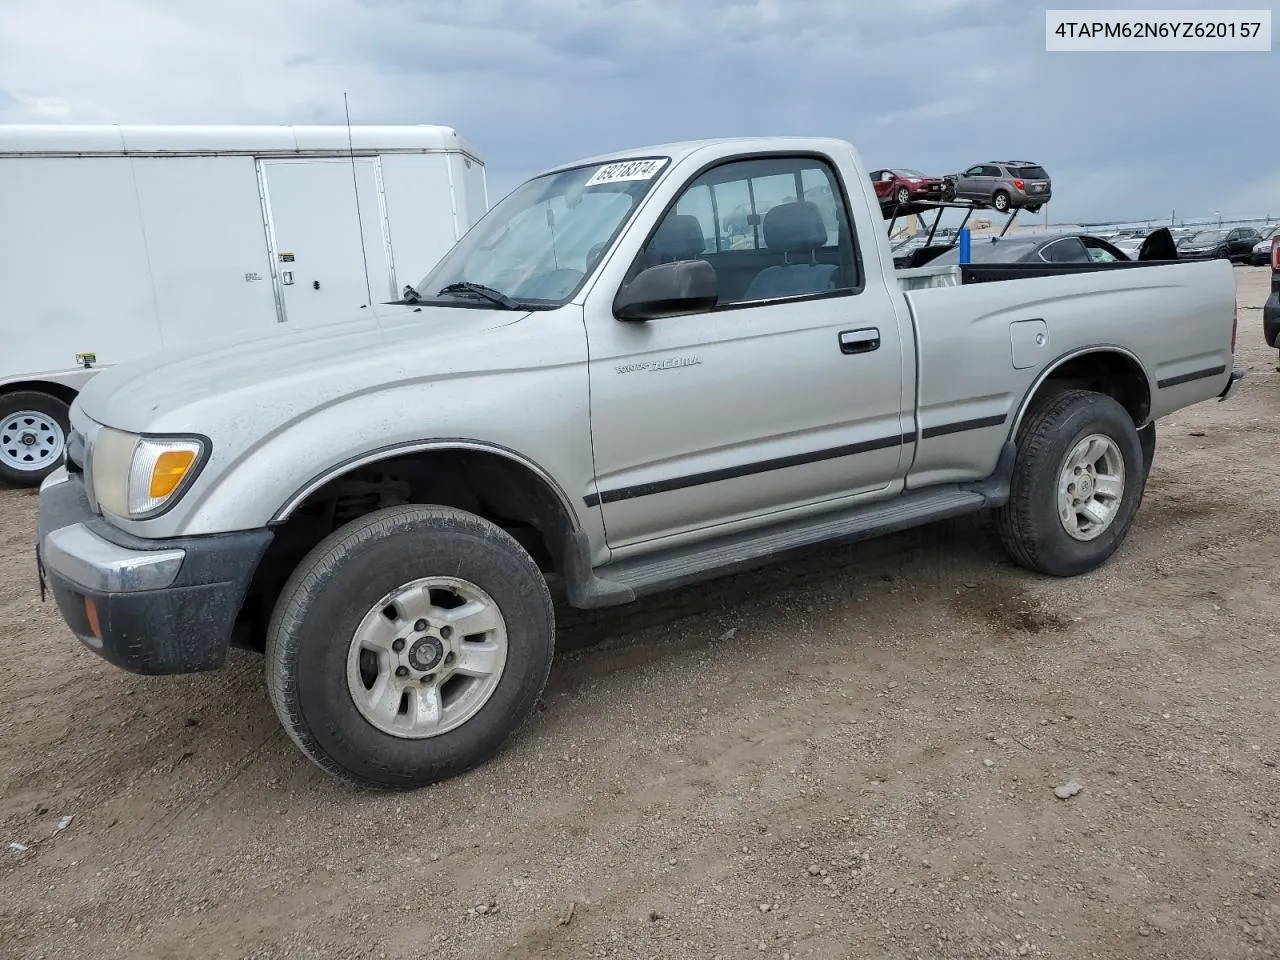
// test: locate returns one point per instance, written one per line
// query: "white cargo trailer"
(119, 240)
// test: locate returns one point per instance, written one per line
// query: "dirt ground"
(850, 756)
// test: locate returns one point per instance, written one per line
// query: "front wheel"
(409, 645)
(1077, 483)
(904, 195)
(33, 436)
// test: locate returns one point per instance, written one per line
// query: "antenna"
(355, 188)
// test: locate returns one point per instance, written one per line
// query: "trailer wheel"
(33, 436)
(1000, 200)
(1077, 483)
(409, 645)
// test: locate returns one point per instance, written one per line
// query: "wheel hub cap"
(427, 657)
(426, 654)
(1091, 487)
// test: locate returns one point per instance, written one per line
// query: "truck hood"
(173, 390)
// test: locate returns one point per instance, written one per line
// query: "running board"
(622, 582)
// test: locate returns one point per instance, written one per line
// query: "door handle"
(860, 341)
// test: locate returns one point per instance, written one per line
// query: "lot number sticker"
(627, 170)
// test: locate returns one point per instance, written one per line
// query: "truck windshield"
(536, 246)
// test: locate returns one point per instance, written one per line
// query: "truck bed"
(953, 275)
(980, 343)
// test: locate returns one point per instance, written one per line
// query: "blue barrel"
(964, 245)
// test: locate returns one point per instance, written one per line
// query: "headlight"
(135, 477)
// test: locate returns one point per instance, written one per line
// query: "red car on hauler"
(902, 185)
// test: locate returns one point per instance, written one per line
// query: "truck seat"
(678, 237)
(797, 230)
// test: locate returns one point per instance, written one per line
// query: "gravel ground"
(850, 756)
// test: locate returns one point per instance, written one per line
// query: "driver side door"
(785, 394)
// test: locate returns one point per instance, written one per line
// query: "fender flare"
(1070, 355)
(423, 446)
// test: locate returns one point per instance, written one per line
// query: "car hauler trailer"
(116, 241)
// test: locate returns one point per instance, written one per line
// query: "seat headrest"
(679, 236)
(795, 227)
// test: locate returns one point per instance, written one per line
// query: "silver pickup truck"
(635, 372)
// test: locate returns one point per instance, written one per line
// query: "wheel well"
(493, 486)
(61, 391)
(1117, 375)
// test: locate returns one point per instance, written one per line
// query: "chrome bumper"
(82, 558)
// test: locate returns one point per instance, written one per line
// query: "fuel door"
(1029, 340)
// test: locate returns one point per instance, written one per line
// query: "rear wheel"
(409, 645)
(904, 195)
(1000, 200)
(1077, 483)
(33, 436)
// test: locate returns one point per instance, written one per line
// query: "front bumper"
(147, 606)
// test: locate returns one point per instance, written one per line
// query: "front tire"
(33, 436)
(409, 645)
(904, 196)
(1077, 483)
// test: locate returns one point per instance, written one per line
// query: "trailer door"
(327, 237)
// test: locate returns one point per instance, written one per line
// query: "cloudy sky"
(932, 84)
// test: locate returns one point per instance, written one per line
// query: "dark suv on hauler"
(1005, 185)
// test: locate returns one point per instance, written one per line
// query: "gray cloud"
(933, 84)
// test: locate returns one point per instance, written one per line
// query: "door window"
(1066, 250)
(771, 227)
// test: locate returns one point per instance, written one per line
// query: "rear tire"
(1000, 200)
(361, 637)
(33, 436)
(904, 196)
(1060, 485)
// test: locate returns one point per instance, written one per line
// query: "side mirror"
(668, 289)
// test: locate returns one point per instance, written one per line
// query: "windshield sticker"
(627, 170)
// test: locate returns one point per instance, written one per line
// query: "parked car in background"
(1129, 244)
(1034, 248)
(1261, 253)
(1220, 243)
(1271, 309)
(902, 185)
(1006, 185)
